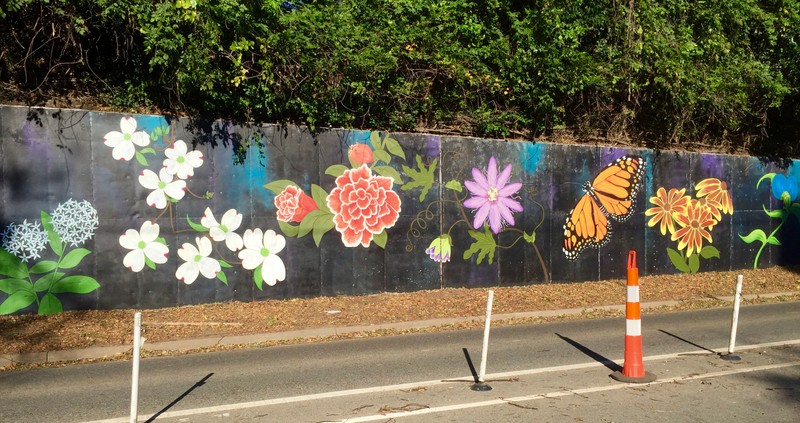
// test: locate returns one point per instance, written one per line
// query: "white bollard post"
(486, 328)
(137, 344)
(735, 320)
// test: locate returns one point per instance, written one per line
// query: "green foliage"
(24, 284)
(671, 71)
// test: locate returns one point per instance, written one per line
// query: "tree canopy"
(664, 72)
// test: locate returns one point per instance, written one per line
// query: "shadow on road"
(199, 383)
(592, 354)
(688, 342)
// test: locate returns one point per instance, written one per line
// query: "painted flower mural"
(293, 204)
(784, 189)
(163, 186)
(145, 246)
(197, 261)
(125, 140)
(690, 221)
(224, 230)
(491, 197)
(27, 282)
(260, 254)
(363, 205)
(169, 186)
(180, 162)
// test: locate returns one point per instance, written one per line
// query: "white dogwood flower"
(224, 230)
(123, 141)
(181, 162)
(163, 186)
(260, 250)
(143, 244)
(197, 261)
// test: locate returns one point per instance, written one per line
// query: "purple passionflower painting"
(491, 196)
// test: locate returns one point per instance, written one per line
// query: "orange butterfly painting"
(609, 196)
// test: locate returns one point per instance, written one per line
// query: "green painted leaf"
(53, 238)
(221, 276)
(258, 279)
(149, 263)
(678, 260)
(161, 240)
(756, 235)
(288, 229)
(709, 251)
(196, 226)
(307, 224)
(322, 225)
(77, 284)
(694, 263)
(394, 147)
(141, 159)
(382, 156)
(767, 176)
(46, 282)
(49, 304)
(454, 185)
(11, 265)
(148, 150)
(773, 241)
(422, 178)
(389, 172)
(12, 285)
(73, 258)
(44, 266)
(336, 170)
(319, 195)
(278, 186)
(380, 239)
(17, 301)
(778, 214)
(484, 245)
(224, 264)
(375, 140)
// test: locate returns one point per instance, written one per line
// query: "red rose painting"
(293, 205)
(363, 205)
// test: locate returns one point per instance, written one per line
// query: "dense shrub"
(672, 72)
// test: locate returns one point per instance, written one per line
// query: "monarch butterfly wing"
(586, 226)
(615, 187)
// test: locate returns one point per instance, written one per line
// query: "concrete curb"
(323, 332)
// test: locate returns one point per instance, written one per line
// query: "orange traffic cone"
(633, 368)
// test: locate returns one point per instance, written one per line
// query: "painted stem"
(764, 244)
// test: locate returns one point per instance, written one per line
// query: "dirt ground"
(81, 329)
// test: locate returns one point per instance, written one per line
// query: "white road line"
(464, 406)
(412, 385)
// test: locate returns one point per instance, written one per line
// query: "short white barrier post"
(137, 345)
(481, 384)
(735, 321)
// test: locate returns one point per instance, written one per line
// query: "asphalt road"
(294, 383)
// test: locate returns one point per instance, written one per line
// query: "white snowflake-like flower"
(24, 240)
(123, 142)
(197, 261)
(261, 250)
(75, 222)
(143, 244)
(224, 230)
(181, 162)
(163, 186)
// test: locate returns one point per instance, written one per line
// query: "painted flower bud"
(360, 154)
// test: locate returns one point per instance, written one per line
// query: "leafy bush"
(669, 72)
